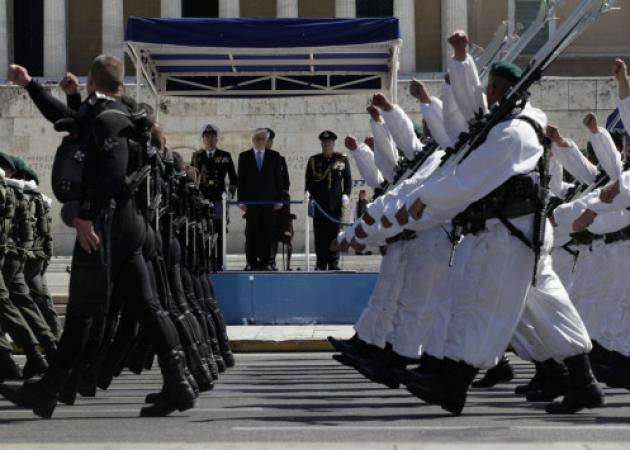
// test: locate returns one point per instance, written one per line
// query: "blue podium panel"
(293, 298)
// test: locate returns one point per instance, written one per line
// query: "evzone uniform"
(493, 258)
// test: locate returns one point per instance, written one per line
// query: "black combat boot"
(9, 370)
(501, 373)
(583, 391)
(155, 396)
(532, 385)
(208, 357)
(384, 369)
(446, 387)
(198, 368)
(68, 394)
(177, 394)
(615, 374)
(40, 396)
(352, 345)
(554, 382)
(610, 367)
(35, 364)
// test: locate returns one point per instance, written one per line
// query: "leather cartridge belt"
(586, 237)
(474, 220)
(621, 235)
(405, 235)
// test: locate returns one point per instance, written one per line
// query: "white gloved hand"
(15, 183)
(345, 200)
(47, 200)
(2, 174)
(30, 185)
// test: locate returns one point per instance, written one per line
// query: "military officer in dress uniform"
(329, 182)
(213, 165)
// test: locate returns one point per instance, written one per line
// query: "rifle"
(511, 48)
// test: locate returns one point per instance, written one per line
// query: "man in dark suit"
(259, 179)
(214, 165)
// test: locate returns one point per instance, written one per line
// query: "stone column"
(170, 8)
(405, 11)
(55, 42)
(4, 41)
(454, 17)
(229, 8)
(113, 28)
(345, 8)
(287, 8)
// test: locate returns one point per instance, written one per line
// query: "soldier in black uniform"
(329, 182)
(108, 222)
(214, 165)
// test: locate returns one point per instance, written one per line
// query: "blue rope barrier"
(266, 202)
(329, 217)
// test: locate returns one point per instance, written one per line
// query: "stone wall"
(296, 121)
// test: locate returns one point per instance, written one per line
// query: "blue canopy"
(253, 57)
(261, 33)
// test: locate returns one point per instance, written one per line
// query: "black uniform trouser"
(217, 252)
(34, 270)
(325, 231)
(32, 327)
(132, 281)
(260, 227)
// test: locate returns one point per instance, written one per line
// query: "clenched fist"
(418, 90)
(590, 122)
(69, 84)
(18, 75)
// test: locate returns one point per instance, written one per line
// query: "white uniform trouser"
(565, 265)
(593, 278)
(488, 299)
(423, 278)
(550, 326)
(376, 320)
(613, 318)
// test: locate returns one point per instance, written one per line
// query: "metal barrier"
(307, 219)
(307, 224)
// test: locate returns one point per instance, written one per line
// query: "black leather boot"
(446, 387)
(68, 393)
(383, 369)
(351, 345)
(583, 391)
(615, 375)
(501, 373)
(89, 380)
(198, 368)
(155, 396)
(208, 357)
(35, 364)
(40, 396)
(554, 382)
(9, 370)
(177, 394)
(533, 384)
(367, 351)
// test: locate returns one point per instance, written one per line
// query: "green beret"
(23, 170)
(7, 161)
(507, 71)
(618, 134)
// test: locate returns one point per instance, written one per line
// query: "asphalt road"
(307, 397)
